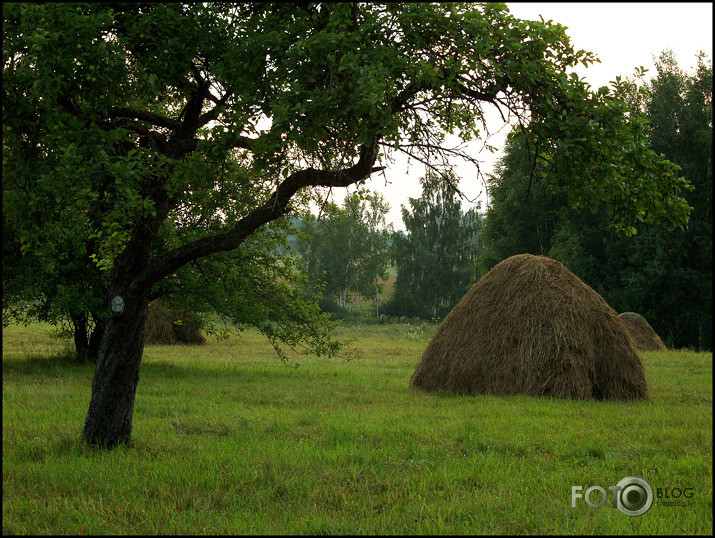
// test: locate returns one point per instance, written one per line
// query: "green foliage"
(62, 287)
(521, 214)
(330, 78)
(662, 273)
(256, 285)
(345, 252)
(98, 98)
(598, 153)
(435, 258)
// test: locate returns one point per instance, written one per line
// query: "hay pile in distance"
(643, 336)
(168, 327)
(530, 326)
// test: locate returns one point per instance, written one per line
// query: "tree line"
(662, 272)
(346, 253)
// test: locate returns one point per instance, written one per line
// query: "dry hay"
(643, 336)
(167, 327)
(530, 326)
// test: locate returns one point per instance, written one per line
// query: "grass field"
(229, 440)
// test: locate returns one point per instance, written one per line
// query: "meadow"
(227, 439)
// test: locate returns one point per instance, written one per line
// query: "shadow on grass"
(43, 363)
(66, 361)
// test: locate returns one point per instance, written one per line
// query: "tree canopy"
(122, 122)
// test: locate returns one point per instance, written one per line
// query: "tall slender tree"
(522, 213)
(435, 257)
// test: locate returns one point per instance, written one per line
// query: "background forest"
(663, 274)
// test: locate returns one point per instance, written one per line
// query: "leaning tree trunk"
(109, 419)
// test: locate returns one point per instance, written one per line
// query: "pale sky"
(622, 35)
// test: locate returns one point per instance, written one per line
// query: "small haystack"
(167, 327)
(643, 336)
(530, 326)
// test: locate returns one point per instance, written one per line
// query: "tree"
(116, 118)
(345, 253)
(435, 257)
(61, 286)
(522, 213)
(671, 272)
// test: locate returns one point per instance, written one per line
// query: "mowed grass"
(229, 440)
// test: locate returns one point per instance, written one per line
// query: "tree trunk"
(116, 374)
(81, 344)
(87, 348)
(109, 419)
(95, 340)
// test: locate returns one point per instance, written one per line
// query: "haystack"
(167, 327)
(643, 336)
(530, 326)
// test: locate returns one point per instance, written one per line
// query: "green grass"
(228, 440)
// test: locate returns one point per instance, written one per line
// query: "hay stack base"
(643, 336)
(530, 326)
(168, 327)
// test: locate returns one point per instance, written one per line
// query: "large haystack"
(530, 326)
(643, 336)
(167, 327)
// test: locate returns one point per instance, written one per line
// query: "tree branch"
(212, 114)
(275, 207)
(154, 119)
(243, 142)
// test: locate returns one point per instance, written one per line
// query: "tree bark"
(95, 340)
(109, 419)
(81, 344)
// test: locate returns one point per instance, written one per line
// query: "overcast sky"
(622, 35)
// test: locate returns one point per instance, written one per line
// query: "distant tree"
(522, 213)
(116, 116)
(346, 252)
(61, 286)
(435, 256)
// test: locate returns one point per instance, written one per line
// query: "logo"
(633, 496)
